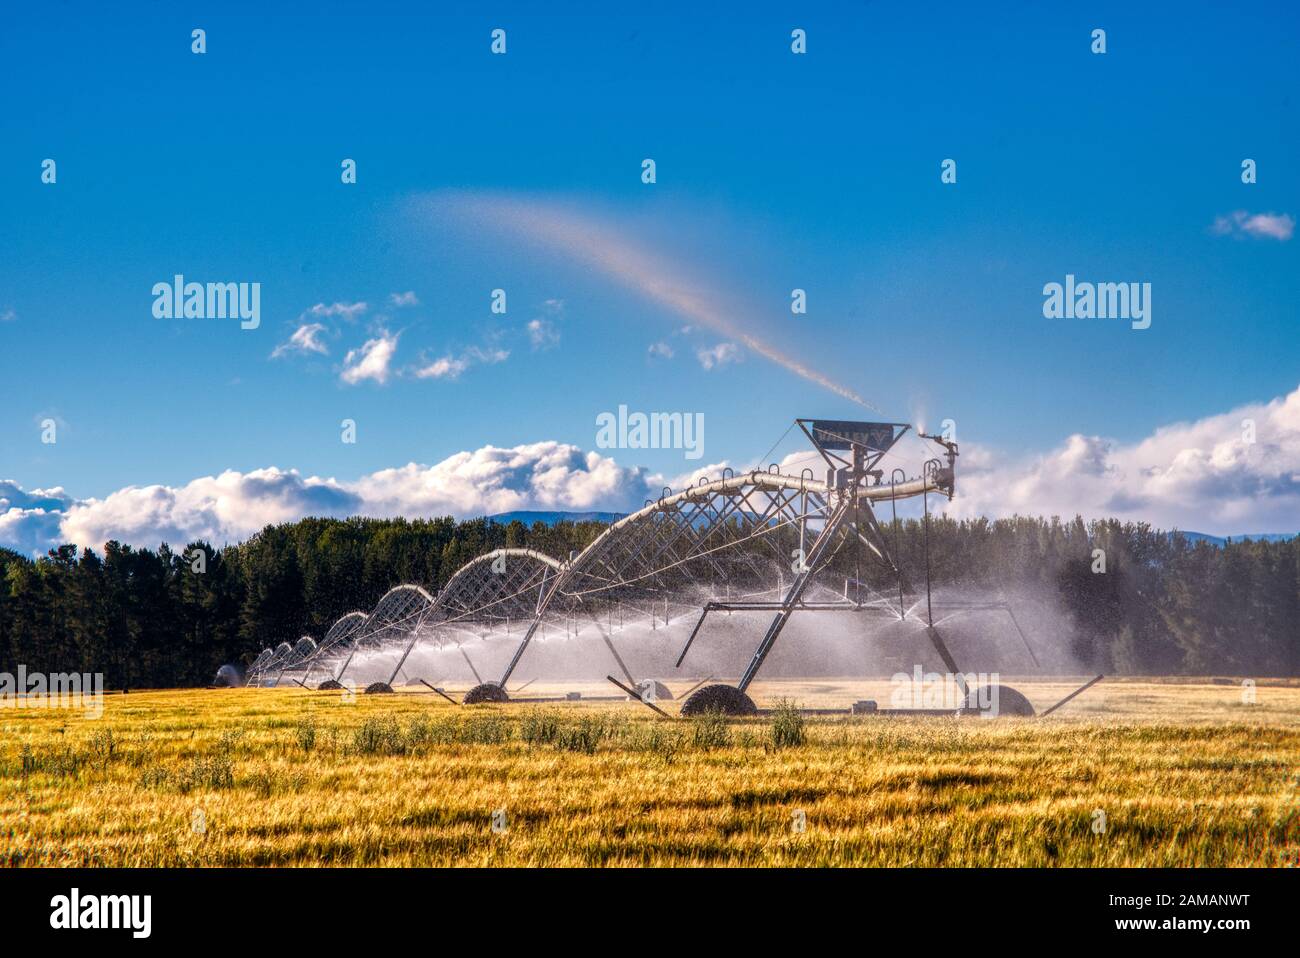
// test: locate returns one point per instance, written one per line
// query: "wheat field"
(1130, 774)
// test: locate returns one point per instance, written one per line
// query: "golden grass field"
(1186, 775)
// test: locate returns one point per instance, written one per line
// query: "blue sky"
(774, 170)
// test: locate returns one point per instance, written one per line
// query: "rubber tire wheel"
(726, 699)
(661, 693)
(487, 692)
(1009, 702)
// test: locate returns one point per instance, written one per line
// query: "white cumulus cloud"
(445, 367)
(1278, 226)
(233, 505)
(1203, 476)
(451, 367)
(305, 339)
(29, 521)
(371, 361)
(542, 333)
(347, 311)
(718, 355)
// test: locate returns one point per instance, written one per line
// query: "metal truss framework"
(755, 541)
(490, 591)
(736, 534)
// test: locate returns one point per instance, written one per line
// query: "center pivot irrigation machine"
(761, 541)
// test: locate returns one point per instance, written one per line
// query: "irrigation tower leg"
(547, 589)
(612, 651)
(519, 652)
(949, 663)
(477, 678)
(618, 658)
(410, 646)
(348, 661)
(796, 590)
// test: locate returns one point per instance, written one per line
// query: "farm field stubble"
(1185, 774)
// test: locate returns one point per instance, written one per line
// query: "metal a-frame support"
(410, 647)
(543, 595)
(809, 566)
(866, 444)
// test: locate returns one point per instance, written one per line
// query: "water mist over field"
(813, 644)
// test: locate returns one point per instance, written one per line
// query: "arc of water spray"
(596, 245)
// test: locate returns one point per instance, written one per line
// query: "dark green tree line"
(161, 618)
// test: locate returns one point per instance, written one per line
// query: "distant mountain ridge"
(551, 518)
(1251, 536)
